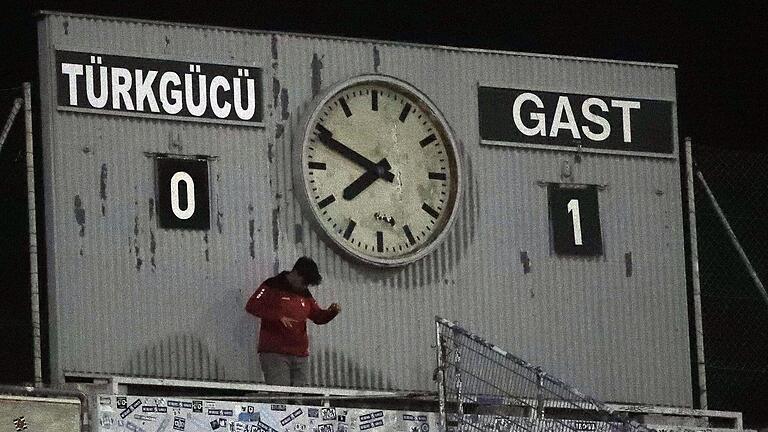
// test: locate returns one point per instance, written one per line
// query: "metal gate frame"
(482, 387)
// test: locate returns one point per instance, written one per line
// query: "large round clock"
(378, 169)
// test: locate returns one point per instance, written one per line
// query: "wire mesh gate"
(482, 387)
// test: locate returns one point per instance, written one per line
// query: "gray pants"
(284, 370)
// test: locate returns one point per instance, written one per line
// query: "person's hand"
(288, 322)
(334, 307)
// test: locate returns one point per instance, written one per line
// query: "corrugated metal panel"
(179, 312)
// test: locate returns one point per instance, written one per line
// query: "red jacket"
(273, 300)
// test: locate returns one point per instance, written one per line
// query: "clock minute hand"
(366, 179)
(326, 137)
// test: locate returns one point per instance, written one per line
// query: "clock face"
(379, 170)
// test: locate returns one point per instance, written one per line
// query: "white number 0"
(573, 209)
(190, 210)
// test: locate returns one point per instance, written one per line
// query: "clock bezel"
(449, 140)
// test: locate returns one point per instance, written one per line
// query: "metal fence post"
(539, 393)
(457, 374)
(695, 277)
(440, 376)
(33, 271)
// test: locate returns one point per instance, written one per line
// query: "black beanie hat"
(307, 268)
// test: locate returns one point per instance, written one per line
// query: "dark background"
(720, 50)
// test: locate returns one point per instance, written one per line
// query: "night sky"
(720, 50)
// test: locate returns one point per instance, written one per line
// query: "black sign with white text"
(113, 84)
(572, 120)
(182, 194)
(574, 215)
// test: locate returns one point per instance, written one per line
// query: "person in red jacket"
(284, 303)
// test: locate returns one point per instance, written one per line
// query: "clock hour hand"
(366, 179)
(326, 137)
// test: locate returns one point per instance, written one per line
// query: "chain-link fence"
(15, 323)
(485, 388)
(734, 313)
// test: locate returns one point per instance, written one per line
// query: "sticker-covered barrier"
(39, 414)
(117, 413)
(482, 387)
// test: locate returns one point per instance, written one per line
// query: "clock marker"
(345, 107)
(317, 165)
(350, 228)
(404, 113)
(426, 141)
(432, 212)
(374, 100)
(379, 241)
(409, 234)
(323, 131)
(327, 200)
(432, 175)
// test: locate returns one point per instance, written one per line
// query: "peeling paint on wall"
(152, 248)
(80, 214)
(275, 91)
(285, 114)
(276, 236)
(525, 261)
(252, 247)
(274, 51)
(376, 59)
(103, 189)
(174, 141)
(136, 248)
(207, 248)
(317, 79)
(298, 234)
(219, 213)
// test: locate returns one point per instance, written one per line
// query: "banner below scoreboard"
(152, 414)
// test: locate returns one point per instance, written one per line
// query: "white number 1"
(573, 208)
